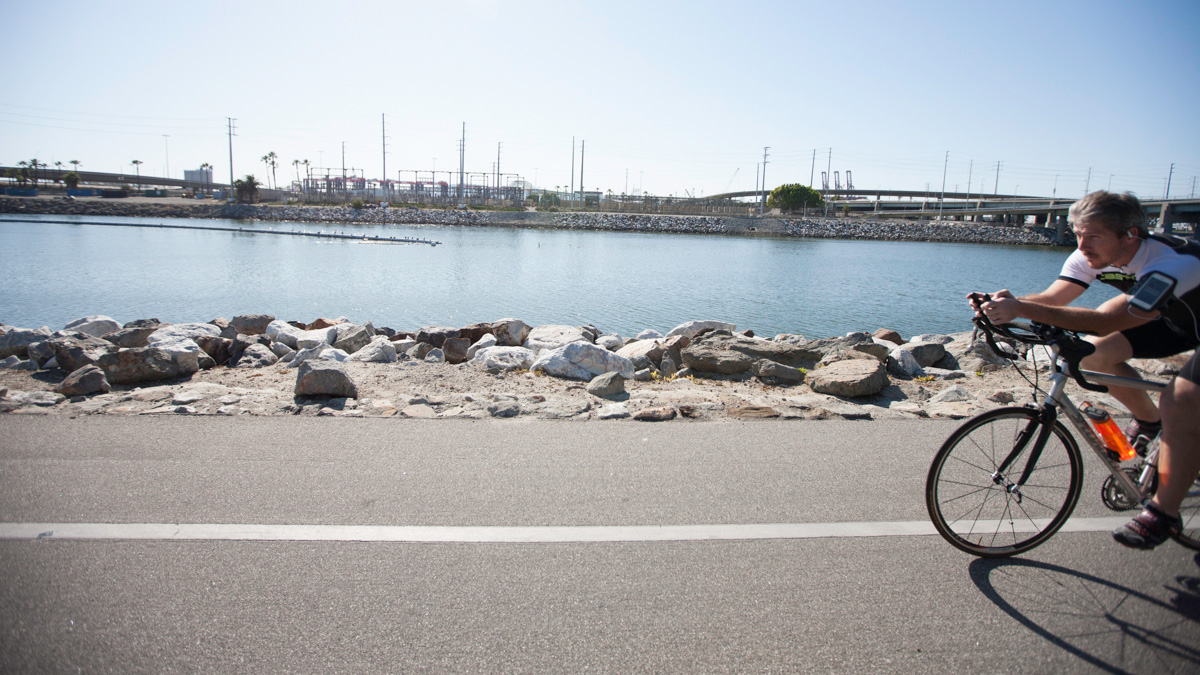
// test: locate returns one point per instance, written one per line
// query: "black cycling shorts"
(1158, 339)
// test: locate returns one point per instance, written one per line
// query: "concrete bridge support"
(1060, 229)
(1166, 219)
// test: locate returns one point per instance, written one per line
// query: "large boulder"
(252, 324)
(143, 364)
(606, 385)
(926, 353)
(321, 377)
(504, 358)
(316, 337)
(257, 356)
(510, 332)
(901, 362)
(378, 350)
(96, 326)
(219, 348)
(552, 337)
(173, 332)
(691, 329)
(87, 380)
(17, 340)
(720, 351)
(455, 349)
(131, 337)
(282, 331)
(643, 353)
(851, 378)
(183, 350)
(436, 335)
(77, 350)
(582, 361)
(475, 332)
(352, 337)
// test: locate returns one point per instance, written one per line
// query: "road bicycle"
(1006, 480)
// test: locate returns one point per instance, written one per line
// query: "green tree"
(71, 179)
(794, 197)
(247, 189)
(207, 169)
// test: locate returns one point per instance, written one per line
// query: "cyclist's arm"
(1110, 317)
(1059, 294)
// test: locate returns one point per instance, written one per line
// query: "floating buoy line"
(246, 230)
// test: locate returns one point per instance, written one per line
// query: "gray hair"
(1118, 213)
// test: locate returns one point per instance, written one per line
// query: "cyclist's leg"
(1112, 352)
(1179, 446)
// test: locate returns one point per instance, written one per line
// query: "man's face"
(1101, 246)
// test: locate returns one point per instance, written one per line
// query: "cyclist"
(1116, 248)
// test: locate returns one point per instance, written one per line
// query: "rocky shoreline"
(700, 370)
(823, 228)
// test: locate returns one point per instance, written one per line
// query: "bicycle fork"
(1043, 425)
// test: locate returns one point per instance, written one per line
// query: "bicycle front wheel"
(978, 507)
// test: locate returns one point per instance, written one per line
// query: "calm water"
(619, 282)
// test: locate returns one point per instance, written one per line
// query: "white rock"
(96, 326)
(582, 361)
(184, 331)
(183, 351)
(282, 331)
(552, 337)
(691, 328)
(320, 351)
(902, 362)
(319, 336)
(955, 394)
(504, 358)
(488, 340)
(610, 342)
(378, 350)
(649, 334)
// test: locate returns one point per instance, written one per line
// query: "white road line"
(466, 534)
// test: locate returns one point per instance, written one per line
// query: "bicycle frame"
(1057, 399)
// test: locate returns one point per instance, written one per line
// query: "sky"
(670, 98)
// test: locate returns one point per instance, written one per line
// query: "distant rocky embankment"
(822, 228)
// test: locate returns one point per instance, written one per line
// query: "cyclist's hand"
(1002, 308)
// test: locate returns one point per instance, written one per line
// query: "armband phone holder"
(1152, 292)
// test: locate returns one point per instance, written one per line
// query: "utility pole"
(230, 121)
(572, 172)
(343, 167)
(497, 169)
(383, 118)
(582, 154)
(942, 199)
(462, 150)
(828, 172)
(996, 188)
(1167, 194)
(762, 208)
(970, 166)
(812, 171)
(1087, 183)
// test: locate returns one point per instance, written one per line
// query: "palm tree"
(207, 169)
(296, 168)
(247, 188)
(75, 163)
(269, 160)
(137, 163)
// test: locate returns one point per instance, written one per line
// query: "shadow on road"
(1107, 625)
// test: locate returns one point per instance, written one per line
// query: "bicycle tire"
(976, 512)
(1189, 512)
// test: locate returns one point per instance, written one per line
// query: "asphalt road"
(737, 575)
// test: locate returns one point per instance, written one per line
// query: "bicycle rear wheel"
(1189, 511)
(978, 508)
